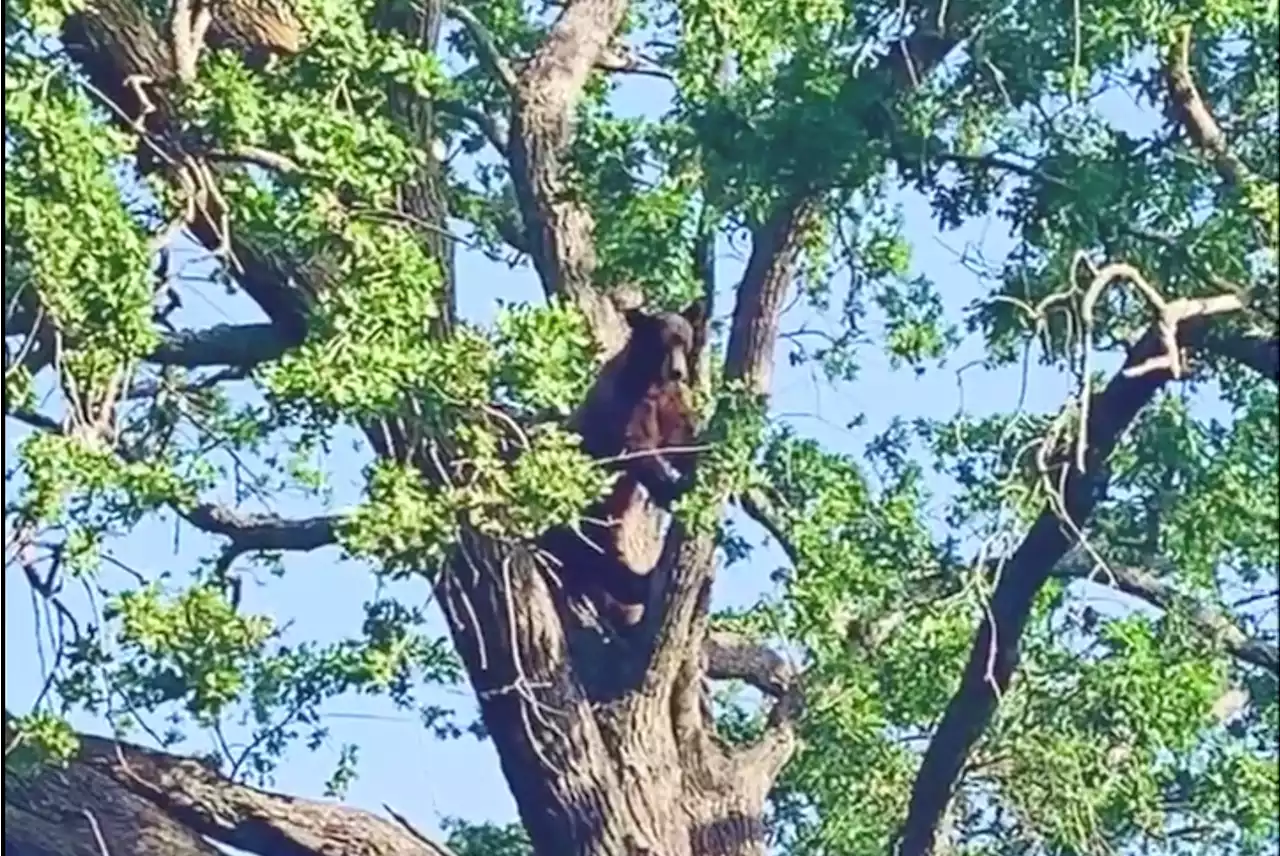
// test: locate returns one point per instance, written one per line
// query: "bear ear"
(696, 312)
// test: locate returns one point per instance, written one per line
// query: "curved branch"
(994, 656)
(1212, 623)
(488, 125)
(731, 656)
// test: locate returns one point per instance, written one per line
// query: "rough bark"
(114, 797)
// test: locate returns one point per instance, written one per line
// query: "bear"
(640, 405)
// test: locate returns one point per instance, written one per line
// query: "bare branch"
(242, 345)
(994, 656)
(1212, 623)
(188, 24)
(254, 156)
(166, 803)
(151, 387)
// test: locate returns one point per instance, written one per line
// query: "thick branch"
(130, 69)
(754, 334)
(265, 531)
(141, 802)
(242, 345)
(1190, 110)
(730, 657)
(561, 230)
(1259, 353)
(994, 657)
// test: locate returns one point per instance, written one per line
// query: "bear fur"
(640, 405)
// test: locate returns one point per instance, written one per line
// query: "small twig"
(97, 832)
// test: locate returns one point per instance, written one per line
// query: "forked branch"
(994, 656)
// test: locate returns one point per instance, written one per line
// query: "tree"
(327, 158)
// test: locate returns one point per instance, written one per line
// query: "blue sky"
(401, 764)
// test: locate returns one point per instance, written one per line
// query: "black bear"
(636, 418)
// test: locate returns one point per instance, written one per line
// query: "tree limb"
(129, 69)
(561, 230)
(1213, 624)
(242, 345)
(732, 656)
(488, 125)
(1189, 109)
(265, 531)
(754, 335)
(486, 46)
(145, 802)
(994, 657)
(1255, 351)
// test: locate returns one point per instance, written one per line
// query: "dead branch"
(265, 531)
(254, 156)
(994, 655)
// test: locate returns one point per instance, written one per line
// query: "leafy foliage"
(1113, 738)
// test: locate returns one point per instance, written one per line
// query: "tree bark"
(125, 800)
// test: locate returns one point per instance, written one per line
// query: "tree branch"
(731, 656)
(129, 69)
(561, 230)
(488, 125)
(1212, 623)
(242, 345)
(1257, 352)
(486, 46)
(148, 802)
(754, 335)
(994, 657)
(1189, 109)
(265, 531)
